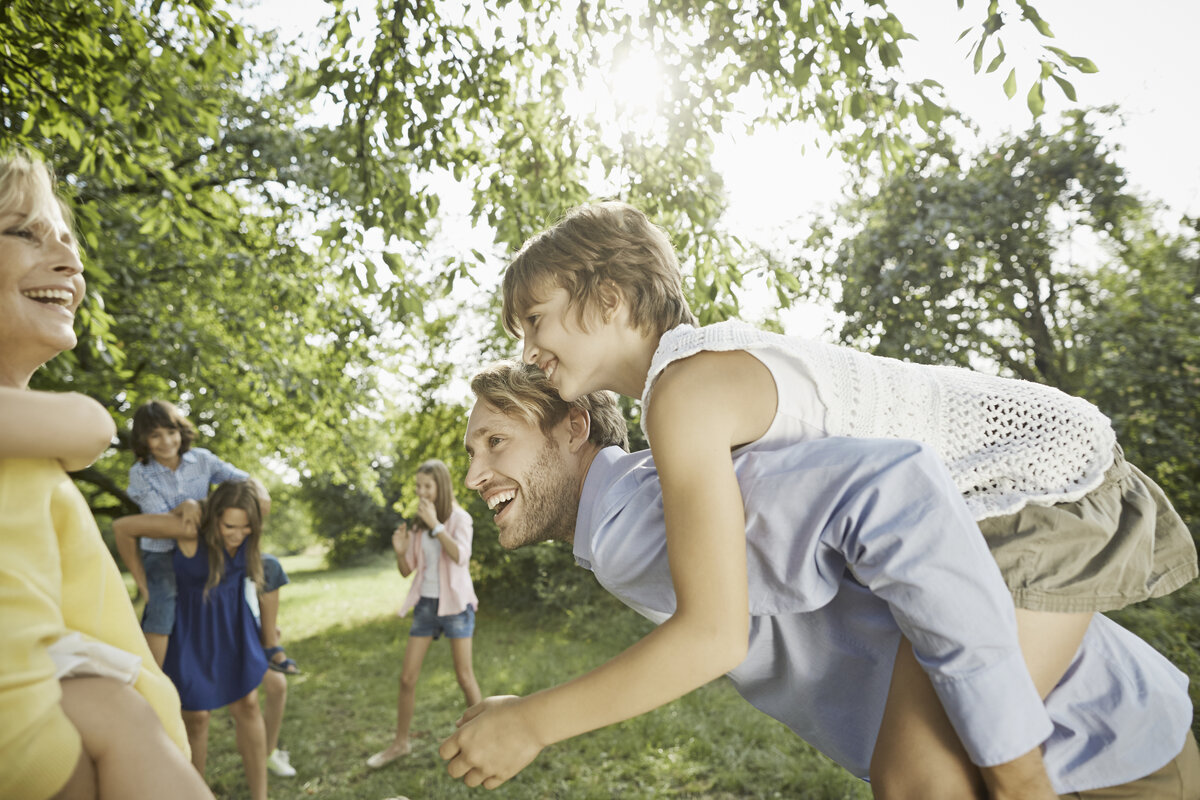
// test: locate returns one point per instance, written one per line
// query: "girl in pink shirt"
(436, 550)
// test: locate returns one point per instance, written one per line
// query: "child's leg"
(918, 754)
(128, 753)
(414, 656)
(1049, 642)
(460, 650)
(159, 616)
(196, 723)
(274, 688)
(251, 743)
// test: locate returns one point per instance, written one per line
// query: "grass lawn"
(340, 626)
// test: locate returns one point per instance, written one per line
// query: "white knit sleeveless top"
(1006, 442)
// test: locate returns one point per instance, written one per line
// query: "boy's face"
(577, 355)
(524, 475)
(41, 286)
(234, 527)
(163, 444)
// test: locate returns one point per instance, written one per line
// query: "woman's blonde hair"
(595, 250)
(231, 494)
(27, 183)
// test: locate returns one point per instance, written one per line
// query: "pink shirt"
(455, 590)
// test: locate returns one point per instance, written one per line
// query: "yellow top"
(57, 576)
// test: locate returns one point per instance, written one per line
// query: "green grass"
(340, 625)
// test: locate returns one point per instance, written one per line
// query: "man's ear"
(579, 427)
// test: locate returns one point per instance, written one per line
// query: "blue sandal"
(287, 666)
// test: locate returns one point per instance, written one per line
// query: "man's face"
(527, 477)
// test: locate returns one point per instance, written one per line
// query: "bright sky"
(1145, 53)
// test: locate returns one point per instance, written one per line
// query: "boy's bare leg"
(158, 646)
(251, 738)
(918, 754)
(126, 752)
(1049, 642)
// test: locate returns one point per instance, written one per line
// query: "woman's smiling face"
(41, 286)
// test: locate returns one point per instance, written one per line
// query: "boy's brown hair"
(521, 390)
(159, 414)
(595, 249)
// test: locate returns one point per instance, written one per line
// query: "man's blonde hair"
(27, 185)
(521, 390)
(596, 249)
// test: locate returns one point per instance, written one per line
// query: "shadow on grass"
(710, 744)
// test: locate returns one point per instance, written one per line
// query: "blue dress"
(214, 655)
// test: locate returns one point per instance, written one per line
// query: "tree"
(1030, 259)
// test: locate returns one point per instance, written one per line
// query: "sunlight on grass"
(340, 626)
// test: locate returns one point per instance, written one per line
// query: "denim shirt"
(158, 489)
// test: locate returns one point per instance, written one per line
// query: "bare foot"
(385, 757)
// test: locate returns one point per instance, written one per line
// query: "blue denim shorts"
(273, 574)
(159, 616)
(426, 621)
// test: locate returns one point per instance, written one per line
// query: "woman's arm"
(455, 537)
(702, 406)
(402, 539)
(68, 426)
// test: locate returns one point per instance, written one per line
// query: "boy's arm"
(68, 426)
(708, 634)
(154, 526)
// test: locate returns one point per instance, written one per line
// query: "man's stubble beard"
(549, 502)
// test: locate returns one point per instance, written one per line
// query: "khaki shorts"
(1119, 544)
(1178, 780)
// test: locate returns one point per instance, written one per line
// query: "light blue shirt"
(158, 489)
(851, 542)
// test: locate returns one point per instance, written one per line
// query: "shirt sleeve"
(906, 534)
(461, 530)
(148, 499)
(38, 744)
(220, 471)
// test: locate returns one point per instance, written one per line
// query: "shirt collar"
(187, 458)
(606, 469)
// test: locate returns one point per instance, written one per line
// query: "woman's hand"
(494, 742)
(427, 513)
(401, 538)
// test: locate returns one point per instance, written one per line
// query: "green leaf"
(1066, 87)
(1035, 100)
(1010, 83)
(996, 62)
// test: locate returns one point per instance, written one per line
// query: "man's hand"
(1022, 778)
(493, 743)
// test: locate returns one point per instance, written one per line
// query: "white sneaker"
(280, 764)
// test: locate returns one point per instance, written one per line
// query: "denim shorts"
(159, 616)
(426, 621)
(273, 574)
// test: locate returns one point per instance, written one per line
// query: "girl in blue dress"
(215, 657)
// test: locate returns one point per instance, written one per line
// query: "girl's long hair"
(445, 492)
(231, 494)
